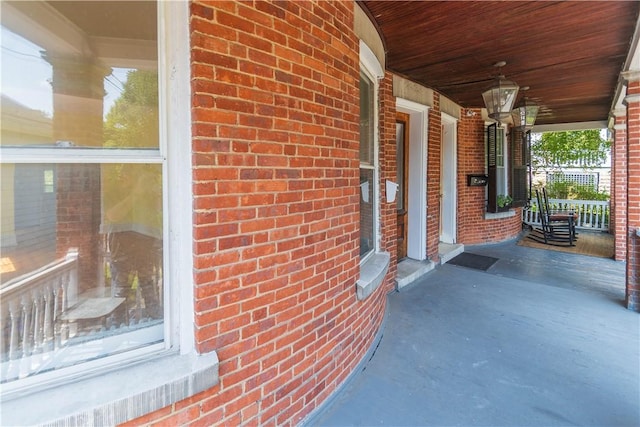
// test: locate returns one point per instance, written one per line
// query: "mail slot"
(477, 180)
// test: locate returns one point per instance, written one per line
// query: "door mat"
(469, 260)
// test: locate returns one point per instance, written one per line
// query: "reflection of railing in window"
(31, 306)
(47, 312)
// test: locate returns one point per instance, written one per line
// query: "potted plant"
(504, 202)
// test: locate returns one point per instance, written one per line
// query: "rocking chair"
(557, 227)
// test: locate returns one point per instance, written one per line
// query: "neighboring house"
(225, 230)
(27, 199)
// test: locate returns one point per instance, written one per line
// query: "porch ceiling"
(570, 53)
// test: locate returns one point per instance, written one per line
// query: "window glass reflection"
(80, 263)
(367, 243)
(98, 88)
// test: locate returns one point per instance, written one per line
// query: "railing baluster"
(37, 322)
(56, 311)
(14, 334)
(47, 324)
(582, 215)
(72, 289)
(25, 339)
(587, 214)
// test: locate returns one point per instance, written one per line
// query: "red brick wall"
(78, 217)
(482, 230)
(388, 171)
(434, 152)
(276, 195)
(633, 195)
(276, 181)
(471, 160)
(618, 221)
(473, 228)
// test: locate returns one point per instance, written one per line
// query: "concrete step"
(410, 270)
(448, 251)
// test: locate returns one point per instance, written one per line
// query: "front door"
(402, 152)
(448, 182)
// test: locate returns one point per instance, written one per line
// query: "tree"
(132, 122)
(555, 150)
(133, 192)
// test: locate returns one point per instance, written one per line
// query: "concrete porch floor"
(539, 339)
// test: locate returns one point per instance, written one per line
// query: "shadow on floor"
(539, 339)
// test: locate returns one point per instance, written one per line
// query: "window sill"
(372, 274)
(499, 215)
(116, 396)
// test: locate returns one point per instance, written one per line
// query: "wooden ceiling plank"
(563, 50)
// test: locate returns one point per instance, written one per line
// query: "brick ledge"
(372, 273)
(499, 215)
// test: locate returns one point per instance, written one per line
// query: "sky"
(26, 77)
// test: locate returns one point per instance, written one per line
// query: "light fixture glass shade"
(499, 98)
(524, 116)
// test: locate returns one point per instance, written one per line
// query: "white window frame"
(374, 166)
(371, 67)
(502, 172)
(157, 375)
(373, 266)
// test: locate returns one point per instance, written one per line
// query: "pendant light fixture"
(524, 115)
(500, 97)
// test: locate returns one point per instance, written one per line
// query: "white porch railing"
(592, 214)
(30, 307)
(48, 321)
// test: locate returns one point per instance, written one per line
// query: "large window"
(368, 175)
(501, 163)
(82, 194)
(373, 262)
(497, 166)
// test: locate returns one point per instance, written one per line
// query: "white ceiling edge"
(563, 127)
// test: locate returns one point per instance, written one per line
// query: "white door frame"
(417, 177)
(448, 179)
